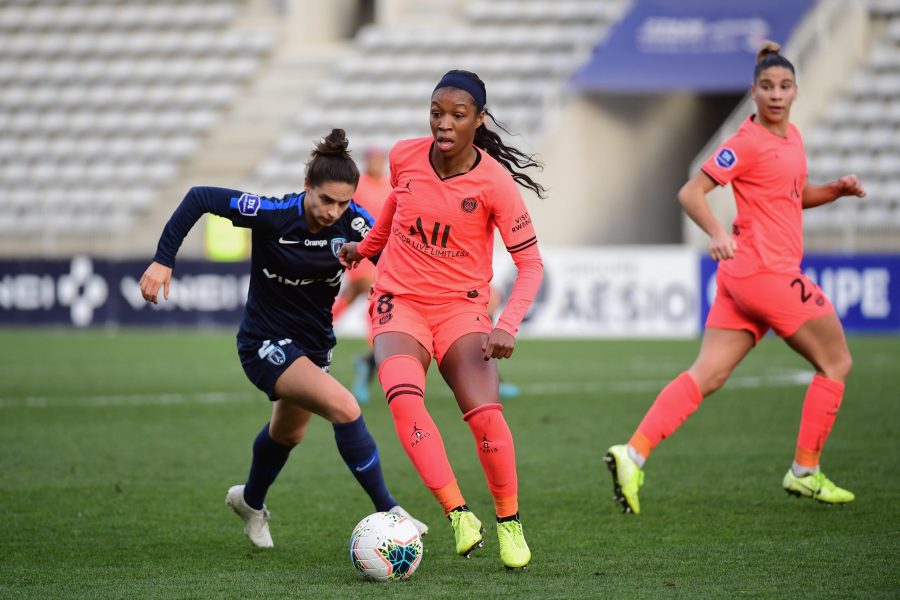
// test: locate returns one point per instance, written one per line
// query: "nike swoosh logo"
(810, 489)
(281, 240)
(367, 465)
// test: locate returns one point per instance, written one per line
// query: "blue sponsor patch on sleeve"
(726, 158)
(248, 205)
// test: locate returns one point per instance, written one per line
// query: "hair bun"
(768, 47)
(334, 144)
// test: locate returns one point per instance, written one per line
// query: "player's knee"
(710, 381)
(345, 411)
(839, 369)
(288, 437)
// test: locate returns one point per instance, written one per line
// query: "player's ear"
(306, 185)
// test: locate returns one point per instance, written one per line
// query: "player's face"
(325, 203)
(774, 92)
(454, 119)
(376, 163)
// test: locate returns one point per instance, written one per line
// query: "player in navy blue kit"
(286, 336)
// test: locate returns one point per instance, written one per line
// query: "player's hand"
(722, 246)
(349, 256)
(499, 344)
(154, 277)
(849, 185)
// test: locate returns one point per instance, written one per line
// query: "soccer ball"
(385, 546)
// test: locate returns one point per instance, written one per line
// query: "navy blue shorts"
(265, 360)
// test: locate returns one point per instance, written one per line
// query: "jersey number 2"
(803, 295)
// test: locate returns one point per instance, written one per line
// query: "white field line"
(779, 378)
(125, 400)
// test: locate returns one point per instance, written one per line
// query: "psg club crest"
(337, 244)
(469, 205)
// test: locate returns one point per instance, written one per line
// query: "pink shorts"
(435, 326)
(781, 301)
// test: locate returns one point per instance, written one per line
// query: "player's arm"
(692, 197)
(529, 274)
(239, 207)
(735, 158)
(517, 231)
(374, 241)
(817, 195)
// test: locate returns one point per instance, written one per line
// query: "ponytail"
(490, 141)
(330, 161)
(508, 156)
(769, 55)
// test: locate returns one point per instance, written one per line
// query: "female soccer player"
(372, 192)
(286, 336)
(431, 294)
(760, 286)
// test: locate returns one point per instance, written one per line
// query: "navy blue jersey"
(295, 274)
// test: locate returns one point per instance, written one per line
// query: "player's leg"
(306, 385)
(508, 390)
(821, 341)
(271, 449)
(720, 352)
(474, 384)
(802, 315)
(403, 361)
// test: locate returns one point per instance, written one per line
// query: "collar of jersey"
(300, 203)
(787, 133)
(475, 164)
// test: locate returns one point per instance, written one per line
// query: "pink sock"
(403, 380)
(497, 455)
(673, 405)
(820, 408)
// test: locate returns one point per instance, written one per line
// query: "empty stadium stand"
(104, 103)
(860, 133)
(101, 100)
(524, 51)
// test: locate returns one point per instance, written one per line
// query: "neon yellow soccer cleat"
(816, 486)
(467, 530)
(514, 551)
(627, 478)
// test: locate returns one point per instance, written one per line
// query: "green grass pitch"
(116, 450)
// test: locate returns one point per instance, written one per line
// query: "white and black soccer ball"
(385, 547)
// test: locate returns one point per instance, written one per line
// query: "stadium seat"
(861, 134)
(106, 95)
(521, 49)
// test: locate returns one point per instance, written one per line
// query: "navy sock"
(359, 451)
(268, 459)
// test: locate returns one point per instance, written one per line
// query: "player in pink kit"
(760, 286)
(436, 235)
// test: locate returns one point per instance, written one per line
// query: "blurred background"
(111, 109)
